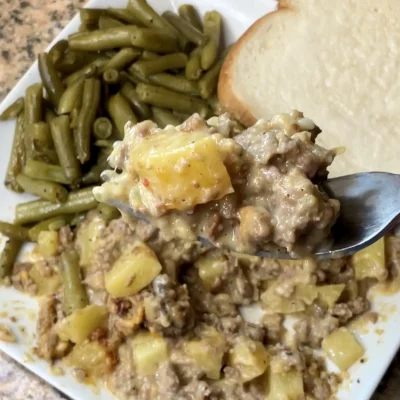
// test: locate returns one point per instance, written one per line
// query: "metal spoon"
(369, 208)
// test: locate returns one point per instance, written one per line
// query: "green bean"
(17, 156)
(105, 144)
(212, 29)
(33, 113)
(175, 83)
(164, 117)
(64, 145)
(148, 17)
(141, 109)
(87, 115)
(57, 51)
(208, 83)
(158, 40)
(148, 55)
(93, 176)
(70, 97)
(8, 257)
(189, 13)
(51, 191)
(40, 170)
(88, 71)
(108, 212)
(106, 22)
(49, 114)
(120, 112)
(78, 219)
(41, 135)
(185, 28)
(111, 76)
(75, 296)
(135, 77)
(193, 69)
(102, 128)
(165, 98)
(51, 224)
(13, 110)
(14, 231)
(181, 116)
(125, 15)
(90, 16)
(169, 61)
(121, 59)
(50, 78)
(33, 211)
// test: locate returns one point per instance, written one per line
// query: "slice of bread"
(336, 61)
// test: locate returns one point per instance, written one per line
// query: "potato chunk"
(274, 303)
(342, 348)
(81, 323)
(370, 262)
(328, 295)
(48, 243)
(132, 271)
(179, 170)
(47, 282)
(285, 385)
(149, 351)
(211, 267)
(249, 357)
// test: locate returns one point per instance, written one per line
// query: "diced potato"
(132, 271)
(306, 293)
(87, 239)
(91, 357)
(211, 267)
(81, 323)
(285, 385)
(250, 358)
(149, 351)
(328, 295)
(45, 283)
(342, 348)
(48, 243)
(272, 302)
(370, 262)
(179, 170)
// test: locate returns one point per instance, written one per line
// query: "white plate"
(382, 340)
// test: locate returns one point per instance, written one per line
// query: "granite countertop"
(26, 28)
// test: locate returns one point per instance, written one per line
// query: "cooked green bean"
(108, 212)
(135, 77)
(165, 98)
(185, 28)
(73, 60)
(102, 128)
(181, 116)
(75, 296)
(14, 231)
(51, 80)
(90, 16)
(51, 191)
(17, 156)
(193, 69)
(155, 40)
(122, 59)
(125, 15)
(93, 176)
(57, 51)
(49, 114)
(107, 22)
(141, 109)
(148, 55)
(51, 224)
(208, 83)
(88, 71)
(8, 257)
(41, 135)
(64, 145)
(161, 64)
(212, 29)
(70, 97)
(148, 17)
(111, 76)
(189, 13)
(163, 117)
(33, 211)
(175, 83)
(87, 115)
(40, 170)
(78, 219)
(106, 39)
(120, 112)
(13, 110)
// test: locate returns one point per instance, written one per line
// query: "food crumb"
(6, 334)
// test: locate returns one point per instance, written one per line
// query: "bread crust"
(226, 95)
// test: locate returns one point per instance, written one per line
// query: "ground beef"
(311, 330)
(346, 311)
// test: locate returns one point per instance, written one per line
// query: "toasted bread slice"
(338, 62)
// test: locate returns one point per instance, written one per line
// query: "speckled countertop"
(26, 28)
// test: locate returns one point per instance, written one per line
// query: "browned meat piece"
(346, 311)
(310, 331)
